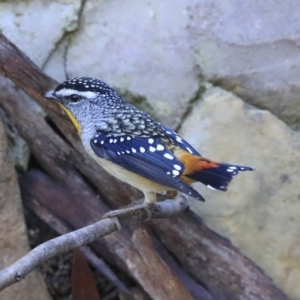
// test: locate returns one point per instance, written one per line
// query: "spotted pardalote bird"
(132, 146)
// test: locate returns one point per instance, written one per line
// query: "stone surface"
(141, 47)
(13, 241)
(251, 49)
(36, 26)
(55, 65)
(260, 213)
(154, 51)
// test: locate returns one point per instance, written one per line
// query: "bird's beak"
(50, 95)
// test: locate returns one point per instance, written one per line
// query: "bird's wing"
(179, 141)
(146, 156)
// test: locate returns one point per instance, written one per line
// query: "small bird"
(129, 144)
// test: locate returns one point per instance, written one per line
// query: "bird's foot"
(132, 212)
(167, 195)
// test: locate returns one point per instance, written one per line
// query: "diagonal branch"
(83, 236)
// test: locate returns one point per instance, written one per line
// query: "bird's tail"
(215, 175)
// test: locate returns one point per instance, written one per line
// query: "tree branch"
(83, 236)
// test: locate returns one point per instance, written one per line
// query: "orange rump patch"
(193, 163)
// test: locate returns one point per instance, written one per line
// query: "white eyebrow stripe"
(68, 92)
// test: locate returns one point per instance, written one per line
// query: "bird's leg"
(171, 194)
(149, 203)
(134, 208)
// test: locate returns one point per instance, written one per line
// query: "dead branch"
(83, 236)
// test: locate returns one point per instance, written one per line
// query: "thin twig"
(17, 271)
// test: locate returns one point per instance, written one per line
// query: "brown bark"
(47, 197)
(207, 258)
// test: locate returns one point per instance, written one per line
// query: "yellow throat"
(72, 118)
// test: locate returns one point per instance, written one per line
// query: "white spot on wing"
(178, 139)
(160, 147)
(142, 149)
(210, 187)
(168, 156)
(177, 167)
(133, 150)
(121, 139)
(189, 149)
(152, 149)
(175, 172)
(150, 141)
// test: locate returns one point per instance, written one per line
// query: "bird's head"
(84, 98)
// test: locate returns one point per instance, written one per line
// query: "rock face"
(251, 49)
(13, 241)
(155, 51)
(36, 26)
(260, 213)
(138, 52)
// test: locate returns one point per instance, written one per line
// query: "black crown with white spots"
(83, 84)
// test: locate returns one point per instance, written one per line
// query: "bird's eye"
(74, 98)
